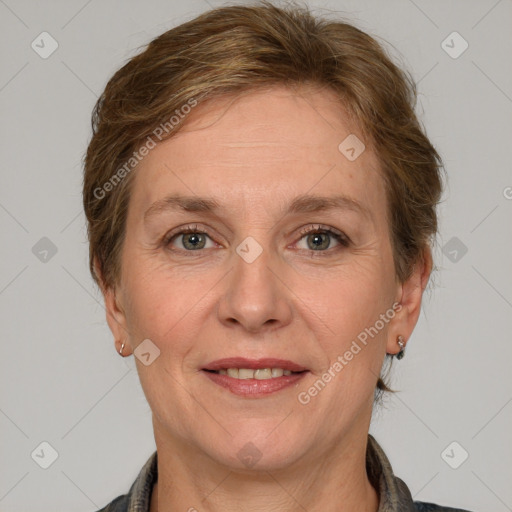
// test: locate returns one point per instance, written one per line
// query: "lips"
(253, 364)
(261, 377)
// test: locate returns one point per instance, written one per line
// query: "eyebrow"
(301, 204)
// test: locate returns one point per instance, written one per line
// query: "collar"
(394, 495)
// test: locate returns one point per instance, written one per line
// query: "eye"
(318, 238)
(189, 239)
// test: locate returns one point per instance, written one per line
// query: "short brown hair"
(229, 50)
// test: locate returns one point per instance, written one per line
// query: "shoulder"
(421, 506)
(120, 504)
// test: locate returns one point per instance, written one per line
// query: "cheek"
(165, 303)
(346, 300)
(344, 313)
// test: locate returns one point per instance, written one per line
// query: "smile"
(260, 374)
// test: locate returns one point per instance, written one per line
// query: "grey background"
(61, 379)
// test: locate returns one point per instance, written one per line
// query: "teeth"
(259, 374)
(263, 373)
(244, 373)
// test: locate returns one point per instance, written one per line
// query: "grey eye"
(318, 241)
(193, 241)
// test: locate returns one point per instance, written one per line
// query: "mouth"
(254, 378)
(248, 373)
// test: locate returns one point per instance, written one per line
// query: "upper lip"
(254, 364)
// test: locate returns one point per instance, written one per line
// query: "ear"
(409, 296)
(114, 310)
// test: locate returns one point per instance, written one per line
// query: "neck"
(331, 481)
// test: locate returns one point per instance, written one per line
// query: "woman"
(261, 203)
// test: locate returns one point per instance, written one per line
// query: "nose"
(255, 296)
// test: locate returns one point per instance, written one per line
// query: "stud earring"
(121, 349)
(401, 344)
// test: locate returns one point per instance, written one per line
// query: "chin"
(259, 446)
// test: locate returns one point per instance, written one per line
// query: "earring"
(121, 349)
(401, 344)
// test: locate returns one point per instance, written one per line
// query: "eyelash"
(340, 237)
(319, 229)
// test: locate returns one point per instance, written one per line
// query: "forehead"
(261, 147)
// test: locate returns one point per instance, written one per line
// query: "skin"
(254, 155)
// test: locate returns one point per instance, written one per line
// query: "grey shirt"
(394, 495)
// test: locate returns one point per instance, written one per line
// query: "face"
(253, 242)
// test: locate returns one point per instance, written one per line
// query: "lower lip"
(254, 387)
